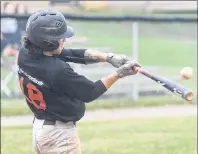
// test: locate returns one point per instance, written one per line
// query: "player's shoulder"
(57, 67)
(56, 71)
(58, 64)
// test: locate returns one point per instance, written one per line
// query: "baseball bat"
(175, 88)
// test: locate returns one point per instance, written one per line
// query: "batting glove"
(116, 60)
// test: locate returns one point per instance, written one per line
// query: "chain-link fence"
(162, 47)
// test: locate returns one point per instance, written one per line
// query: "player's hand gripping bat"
(175, 88)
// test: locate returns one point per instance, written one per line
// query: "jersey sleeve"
(73, 55)
(79, 87)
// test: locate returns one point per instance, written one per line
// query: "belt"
(53, 122)
(49, 122)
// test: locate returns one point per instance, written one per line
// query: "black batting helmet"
(45, 27)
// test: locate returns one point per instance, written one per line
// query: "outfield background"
(165, 48)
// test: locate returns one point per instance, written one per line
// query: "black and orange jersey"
(53, 90)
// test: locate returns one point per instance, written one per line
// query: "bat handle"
(137, 69)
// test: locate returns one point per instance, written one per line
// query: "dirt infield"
(143, 112)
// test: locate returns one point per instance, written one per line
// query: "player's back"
(39, 83)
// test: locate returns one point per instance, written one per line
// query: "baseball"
(186, 73)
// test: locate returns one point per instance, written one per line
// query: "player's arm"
(94, 56)
(73, 55)
(89, 56)
(79, 87)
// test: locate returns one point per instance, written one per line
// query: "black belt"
(49, 122)
(53, 122)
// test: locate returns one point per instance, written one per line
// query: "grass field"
(129, 136)
(157, 46)
(12, 107)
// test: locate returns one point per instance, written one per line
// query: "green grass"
(128, 136)
(157, 44)
(12, 107)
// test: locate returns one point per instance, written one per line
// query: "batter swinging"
(54, 92)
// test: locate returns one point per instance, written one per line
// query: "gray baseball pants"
(61, 138)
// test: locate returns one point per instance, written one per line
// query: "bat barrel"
(171, 86)
(188, 95)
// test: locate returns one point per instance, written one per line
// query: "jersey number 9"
(33, 95)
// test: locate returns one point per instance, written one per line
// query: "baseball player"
(54, 92)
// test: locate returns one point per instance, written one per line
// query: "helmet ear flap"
(50, 45)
